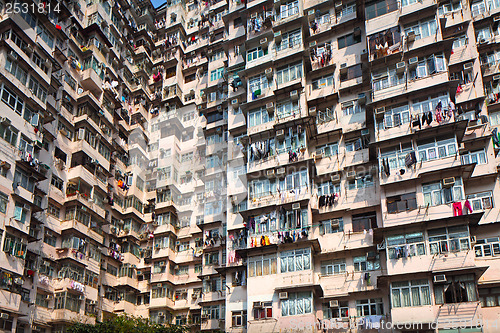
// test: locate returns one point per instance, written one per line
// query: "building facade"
(250, 166)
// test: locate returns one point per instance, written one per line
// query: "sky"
(157, 3)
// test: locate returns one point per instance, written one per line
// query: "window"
(162, 292)
(104, 151)
(262, 265)
(331, 226)
(288, 9)
(395, 116)
(488, 247)
(13, 68)
(216, 74)
(239, 319)
(457, 289)
(361, 181)
(362, 264)
(489, 297)
(295, 260)
(410, 293)
(407, 245)
(427, 66)
(342, 311)
(257, 84)
(256, 53)
(22, 179)
(37, 89)
(351, 73)
(287, 108)
(9, 134)
(449, 7)
(322, 82)
(213, 311)
(348, 40)
(289, 73)
(478, 157)
(481, 201)
(364, 222)
(328, 188)
(379, 8)
(297, 303)
(213, 285)
(15, 102)
(263, 311)
(4, 201)
(211, 258)
(42, 300)
(429, 104)
(349, 108)
(422, 29)
(290, 40)
(401, 203)
(182, 270)
(436, 194)
(448, 239)
(369, 307)
(259, 116)
(14, 246)
(460, 41)
(57, 182)
(386, 79)
(49, 238)
(334, 266)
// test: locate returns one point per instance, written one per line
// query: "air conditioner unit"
(283, 295)
(468, 66)
(400, 67)
(361, 98)
(334, 304)
(335, 178)
(4, 316)
(496, 77)
(294, 95)
(313, 44)
(270, 106)
(357, 31)
(280, 171)
(5, 165)
(270, 173)
(29, 49)
(449, 181)
(269, 72)
(235, 102)
(12, 55)
(380, 112)
(351, 174)
(312, 111)
(439, 278)
(343, 68)
(5, 121)
(263, 41)
(365, 132)
(410, 36)
(413, 62)
(338, 4)
(257, 305)
(280, 133)
(381, 246)
(254, 16)
(277, 36)
(473, 240)
(295, 206)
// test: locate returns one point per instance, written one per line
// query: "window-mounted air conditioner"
(296, 206)
(449, 181)
(283, 295)
(439, 278)
(334, 304)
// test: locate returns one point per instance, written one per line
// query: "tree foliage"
(125, 324)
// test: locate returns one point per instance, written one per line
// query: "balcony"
(67, 316)
(9, 301)
(90, 80)
(212, 324)
(463, 54)
(342, 284)
(443, 262)
(396, 89)
(458, 314)
(295, 279)
(351, 199)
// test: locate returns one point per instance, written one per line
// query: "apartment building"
(250, 166)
